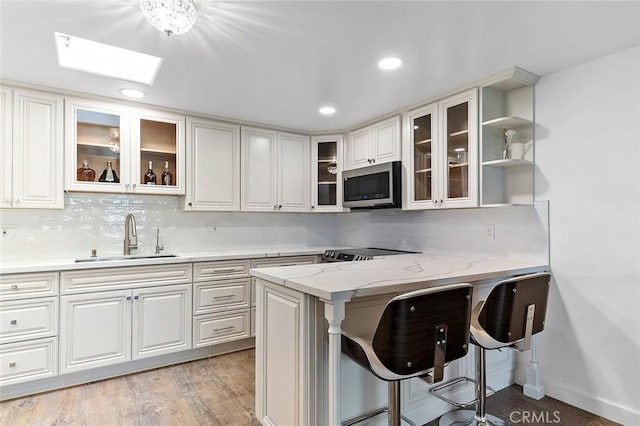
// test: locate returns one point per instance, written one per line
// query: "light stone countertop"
(344, 280)
(62, 264)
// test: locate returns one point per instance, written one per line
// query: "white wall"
(97, 221)
(588, 159)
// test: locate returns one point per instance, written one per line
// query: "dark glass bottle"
(150, 177)
(85, 174)
(167, 177)
(109, 175)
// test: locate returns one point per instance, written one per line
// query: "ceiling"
(276, 63)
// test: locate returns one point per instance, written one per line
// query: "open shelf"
(459, 133)
(508, 122)
(423, 142)
(456, 165)
(327, 183)
(503, 164)
(422, 171)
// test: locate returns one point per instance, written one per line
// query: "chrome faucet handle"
(159, 247)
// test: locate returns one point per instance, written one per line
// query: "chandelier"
(170, 16)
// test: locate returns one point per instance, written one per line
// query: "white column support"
(334, 313)
(533, 386)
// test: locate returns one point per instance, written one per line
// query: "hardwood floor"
(214, 391)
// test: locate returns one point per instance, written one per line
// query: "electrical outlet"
(490, 232)
(8, 230)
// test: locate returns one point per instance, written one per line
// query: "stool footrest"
(371, 414)
(434, 391)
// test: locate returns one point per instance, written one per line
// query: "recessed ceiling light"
(133, 93)
(102, 59)
(390, 63)
(327, 110)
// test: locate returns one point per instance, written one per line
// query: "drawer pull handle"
(227, 296)
(218, 330)
(12, 364)
(14, 287)
(226, 271)
(14, 322)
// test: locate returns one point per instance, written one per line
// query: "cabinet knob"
(126, 186)
(134, 186)
(136, 297)
(14, 286)
(275, 207)
(279, 206)
(190, 204)
(13, 322)
(128, 297)
(313, 207)
(12, 364)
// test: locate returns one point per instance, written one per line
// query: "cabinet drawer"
(284, 261)
(126, 277)
(35, 359)
(222, 327)
(28, 319)
(221, 295)
(206, 271)
(23, 286)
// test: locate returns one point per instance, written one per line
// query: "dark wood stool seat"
(415, 335)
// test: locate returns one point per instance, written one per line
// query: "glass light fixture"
(170, 16)
(390, 63)
(327, 110)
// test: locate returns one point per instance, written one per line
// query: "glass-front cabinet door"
(421, 139)
(459, 185)
(95, 136)
(109, 148)
(158, 140)
(326, 166)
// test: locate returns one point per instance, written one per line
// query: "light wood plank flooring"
(213, 391)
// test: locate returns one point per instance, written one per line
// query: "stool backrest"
(414, 325)
(503, 315)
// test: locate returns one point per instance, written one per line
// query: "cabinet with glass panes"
(507, 138)
(111, 148)
(326, 165)
(440, 154)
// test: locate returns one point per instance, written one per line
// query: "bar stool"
(415, 335)
(505, 314)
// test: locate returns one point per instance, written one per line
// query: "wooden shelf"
(422, 171)
(326, 161)
(504, 164)
(456, 165)
(327, 183)
(459, 133)
(158, 151)
(508, 122)
(423, 142)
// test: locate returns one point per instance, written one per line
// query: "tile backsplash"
(96, 221)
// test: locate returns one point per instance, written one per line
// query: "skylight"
(102, 59)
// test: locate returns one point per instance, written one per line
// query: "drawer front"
(222, 327)
(284, 261)
(28, 319)
(24, 361)
(206, 271)
(23, 286)
(216, 296)
(127, 277)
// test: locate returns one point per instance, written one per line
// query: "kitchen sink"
(130, 257)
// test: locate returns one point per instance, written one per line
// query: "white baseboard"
(601, 407)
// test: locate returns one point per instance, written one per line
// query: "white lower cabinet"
(28, 327)
(110, 327)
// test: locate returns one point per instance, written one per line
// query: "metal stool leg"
(480, 416)
(393, 410)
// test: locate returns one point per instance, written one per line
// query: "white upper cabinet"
(275, 171)
(109, 148)
(31, 149)
(377, 143)
(258, 156)
(294, 172)
(507, 139)
(441, 154)
(213, 164)
(326, 173)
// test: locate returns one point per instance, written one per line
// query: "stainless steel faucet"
(130, 233)
(159, 247)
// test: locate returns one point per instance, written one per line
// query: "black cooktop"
(365, 253)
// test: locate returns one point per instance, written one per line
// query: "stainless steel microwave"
(377, 186)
